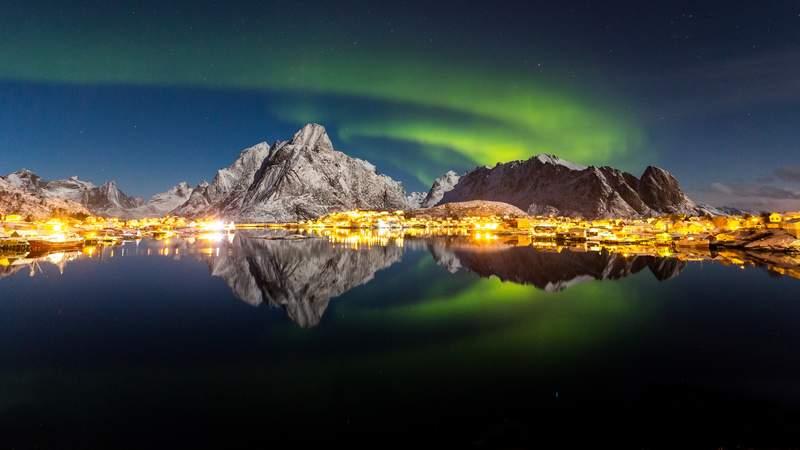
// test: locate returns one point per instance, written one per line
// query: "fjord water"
(250, 340)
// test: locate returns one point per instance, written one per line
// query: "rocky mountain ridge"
(37, 197)
(547, 185)
(302, 178)
(306, 177)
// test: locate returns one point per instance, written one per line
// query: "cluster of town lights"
(348, 228)
(59, 240)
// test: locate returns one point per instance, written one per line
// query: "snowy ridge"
(298, 179)
(549, 186)
(556, 161)
(228, 188)
(440, 186)
(16, 200)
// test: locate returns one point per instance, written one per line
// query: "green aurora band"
(485, 114)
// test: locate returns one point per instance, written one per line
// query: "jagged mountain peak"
(415, 199)
(253, 149)
(180, 187)
(24, 179)
(661, 190)
(541, 186)
(33, 203)
(306, 177)
(440, 186)
(109, 199)
(312, 135)
(548, 158)
(656, 172)
(228, 186)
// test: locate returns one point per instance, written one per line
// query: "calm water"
(237, 343)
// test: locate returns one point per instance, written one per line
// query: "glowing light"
(212, 237)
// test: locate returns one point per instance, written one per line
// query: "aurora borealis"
(416, 89)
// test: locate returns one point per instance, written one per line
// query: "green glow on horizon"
(486, 114)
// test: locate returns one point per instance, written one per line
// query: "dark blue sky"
(150, 94)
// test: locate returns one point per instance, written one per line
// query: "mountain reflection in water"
(300, 276)
(302, 273)
(550, 270)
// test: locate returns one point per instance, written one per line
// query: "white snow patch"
(555, 160)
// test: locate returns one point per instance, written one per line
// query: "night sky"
(151, 93)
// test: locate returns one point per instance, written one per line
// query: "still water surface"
(247, 340)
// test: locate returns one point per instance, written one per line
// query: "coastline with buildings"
(772, 240)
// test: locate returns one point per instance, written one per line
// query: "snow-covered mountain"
(301, 178)
(197, 203)
(24, 179)
(72, 188)
(440, 186)
(228, 188)
(306, 177)
(106, 199)
(17, 200)
(162, 203)
(415, 199)
(548, 185)
(725, 210)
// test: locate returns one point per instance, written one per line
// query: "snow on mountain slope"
(444, 183)
(15, 200)
(548, 185)
(306, 177)
(229, 186)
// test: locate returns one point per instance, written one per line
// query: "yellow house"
(522, 224)
(12, 218)
(775, 217)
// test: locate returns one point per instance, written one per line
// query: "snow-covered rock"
(34, 205)
(556, 161)
(228, 188)
(107, 199)
(415, 199)
(197, 203)
(25, 179)
(440, 186)
(298, 179)
(662, 193)
(724, 210)
(73, 188)
(160, 204)
(548, 185)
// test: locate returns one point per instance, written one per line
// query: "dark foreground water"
(236, 344)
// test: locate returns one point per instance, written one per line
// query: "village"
(669, 231)
(60, 240)
(18, 235)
